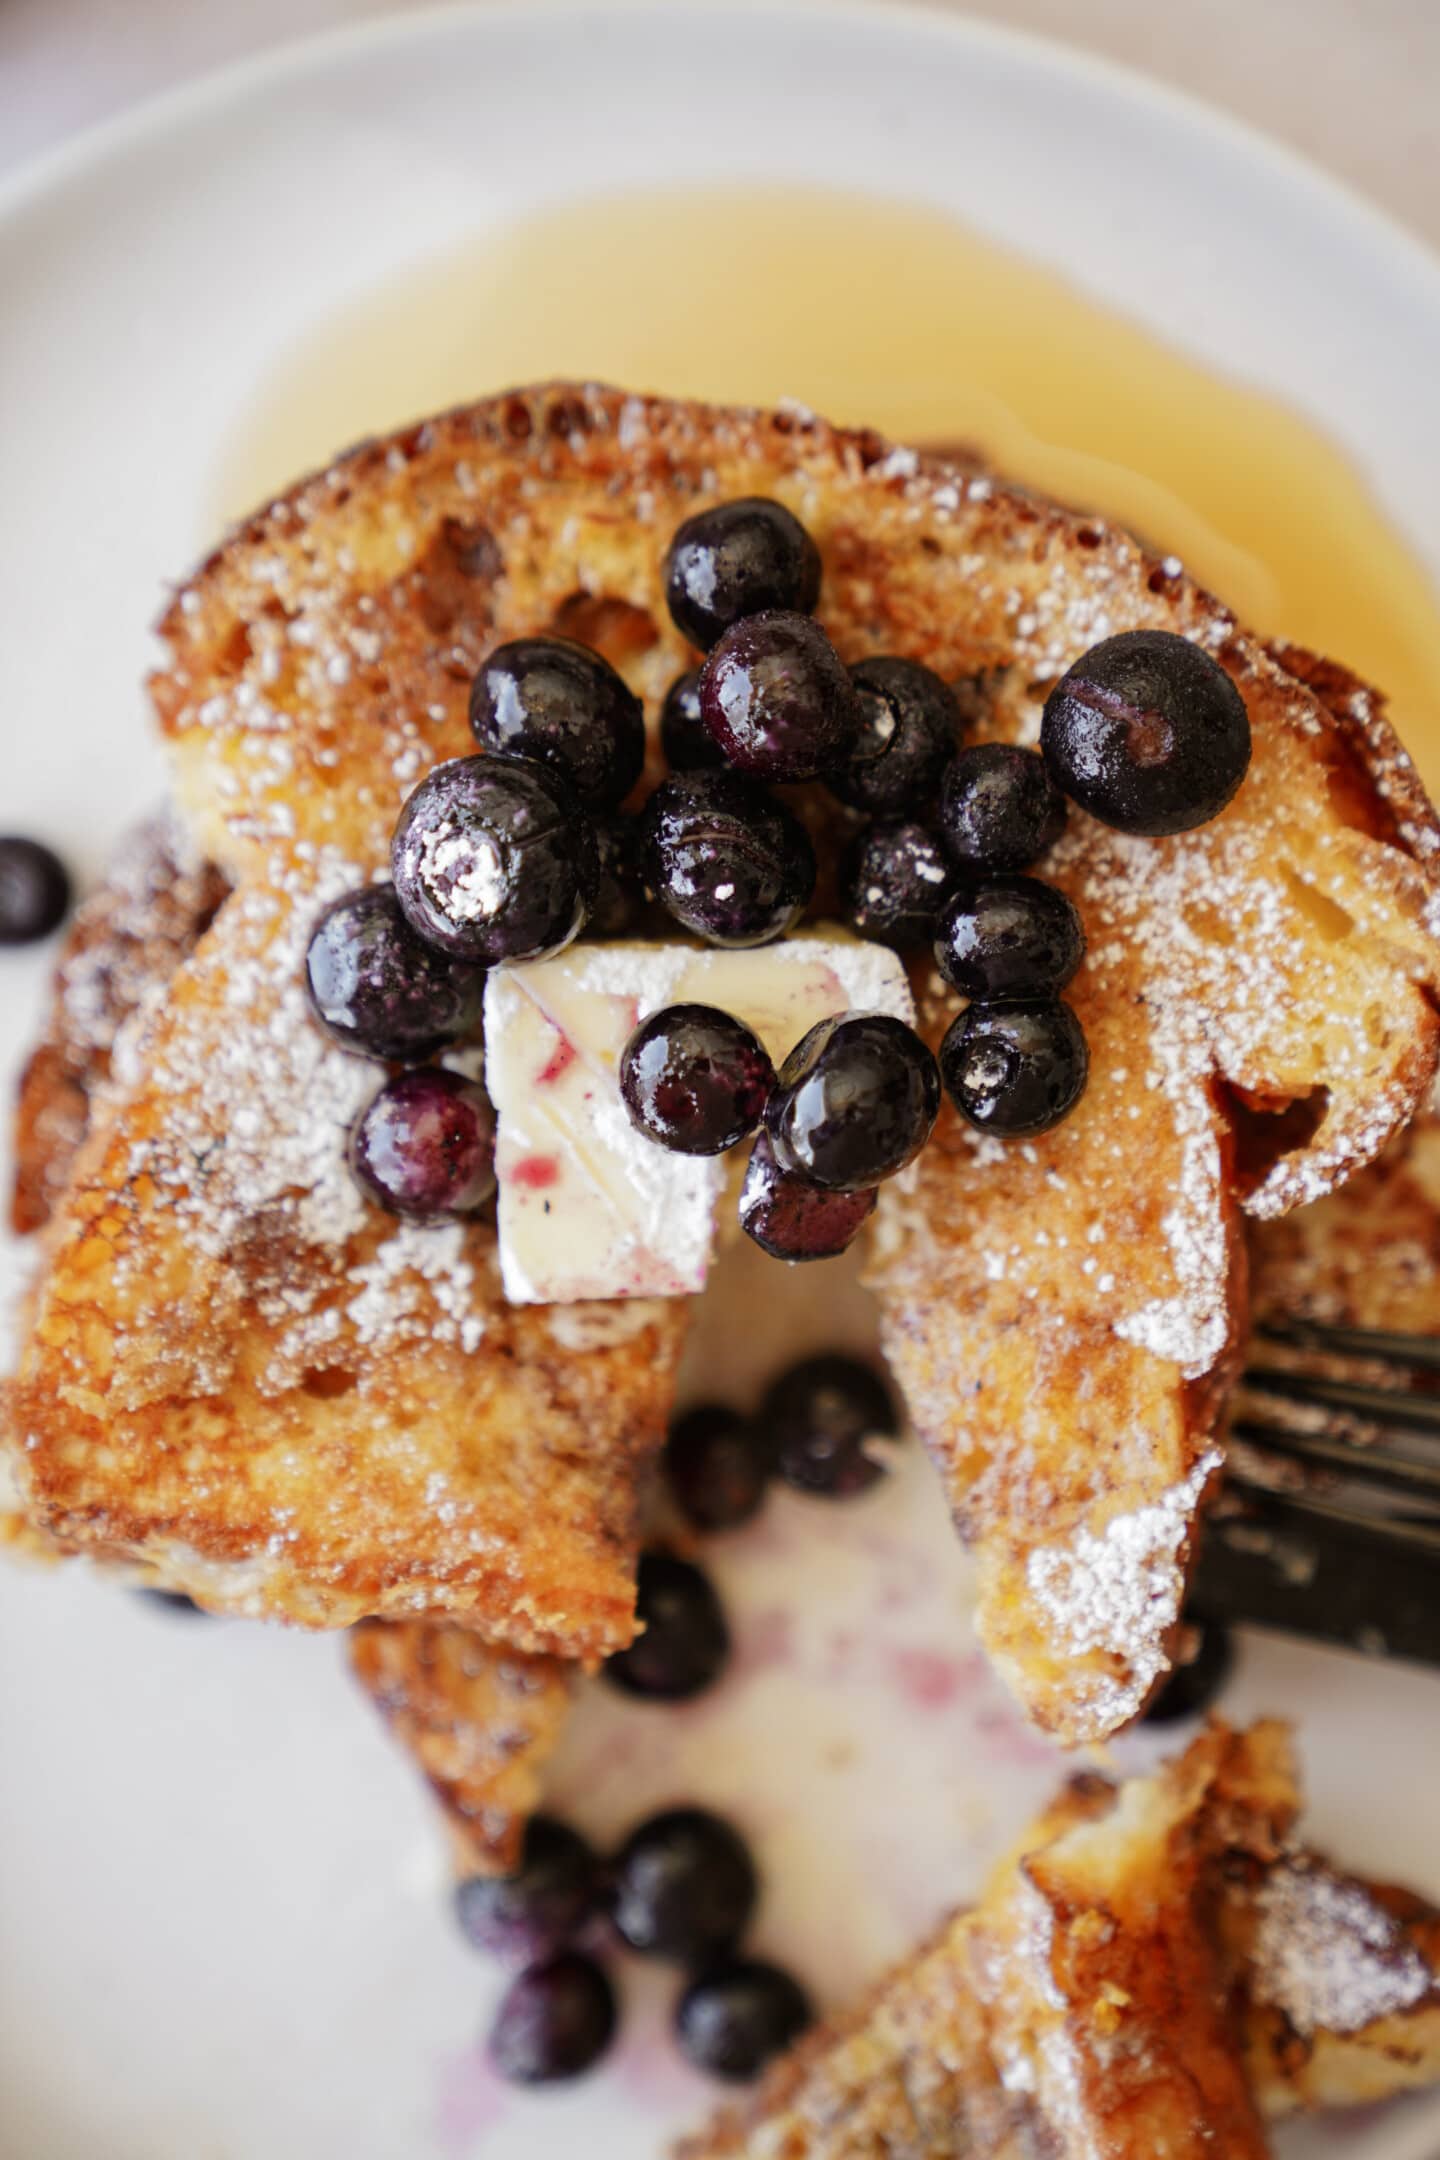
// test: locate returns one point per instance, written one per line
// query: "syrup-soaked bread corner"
(1156, 1967)
(1062, 1314)
(479, 1722)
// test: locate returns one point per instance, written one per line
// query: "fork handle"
(1361, 1585)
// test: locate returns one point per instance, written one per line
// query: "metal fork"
(1328, 1525)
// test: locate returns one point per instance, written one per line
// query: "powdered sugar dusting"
(1328, 1955)
(1120, 1591)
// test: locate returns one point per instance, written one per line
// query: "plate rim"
(79, 159)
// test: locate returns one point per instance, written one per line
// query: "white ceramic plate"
(221, 1894)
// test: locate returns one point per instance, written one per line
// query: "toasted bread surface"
(1060, 1313)
(1142, 1976)
(479, 1722)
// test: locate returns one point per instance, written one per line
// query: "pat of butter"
(589, 1208)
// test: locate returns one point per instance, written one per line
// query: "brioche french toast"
(1062, 1313)
(1156, 1969)
(479, 1722)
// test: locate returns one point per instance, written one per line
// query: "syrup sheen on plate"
(902, 319)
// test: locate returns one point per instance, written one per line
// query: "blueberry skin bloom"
(1148, 733)
(494, 860)
(856, 1100)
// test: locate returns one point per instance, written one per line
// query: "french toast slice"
(479, 1722)
(1155, 1969)
(1062, 1314)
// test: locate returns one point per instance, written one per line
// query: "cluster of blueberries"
(683, 1887)
(506, 856)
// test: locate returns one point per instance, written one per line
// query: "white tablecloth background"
(1355, 83)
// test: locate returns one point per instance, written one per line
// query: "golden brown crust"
(121, 950)
(1117, 1993)
(320, 660)
(478, 1722)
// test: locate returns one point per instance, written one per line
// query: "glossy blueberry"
(893, 878)
(738, 559)
(821, 1418)
(777, 699)
(736, 2018)
(726, 860)
(34, 890)
(426, 1145)
(684, 737)
(685, 1642)
(535, 1912)
(790, 1218)
(1147, 732)
(619, 903)
(555, 2021)
(493, 859)
(1006, 937)
(999, 808)
(909, 726)
(379, 989)
(695, 1079)
(854, 1102)
(684, 1886)
(716, 1467)
(1016, 1068)
(550, 699)
(1194, 1687)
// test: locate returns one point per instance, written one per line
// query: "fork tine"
(1375, 1463)
(1304, 1566)
(1390, 1406)
(1418, 1353)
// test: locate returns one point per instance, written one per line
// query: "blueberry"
(1008, 937)
(738, 559)
(790, 1218)
(893, 878)
(733, 2020)
(778, 700)
(493, 860)
(172, 1601)
(562, 704)
(854, 1102)
(555, 2021)
(685, 1641)
(426, 1145)
(535, 1912)
(716, 1467)
(909, 726)
(1148, 733)
(34, 890)
(1016, 1068)
(1194, 1687)
(685, 1886)
(725, 859)
(820, 1418)
(378, 989)
(684, 737)
(695, 1079)
(999, 808)
(620, 896)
